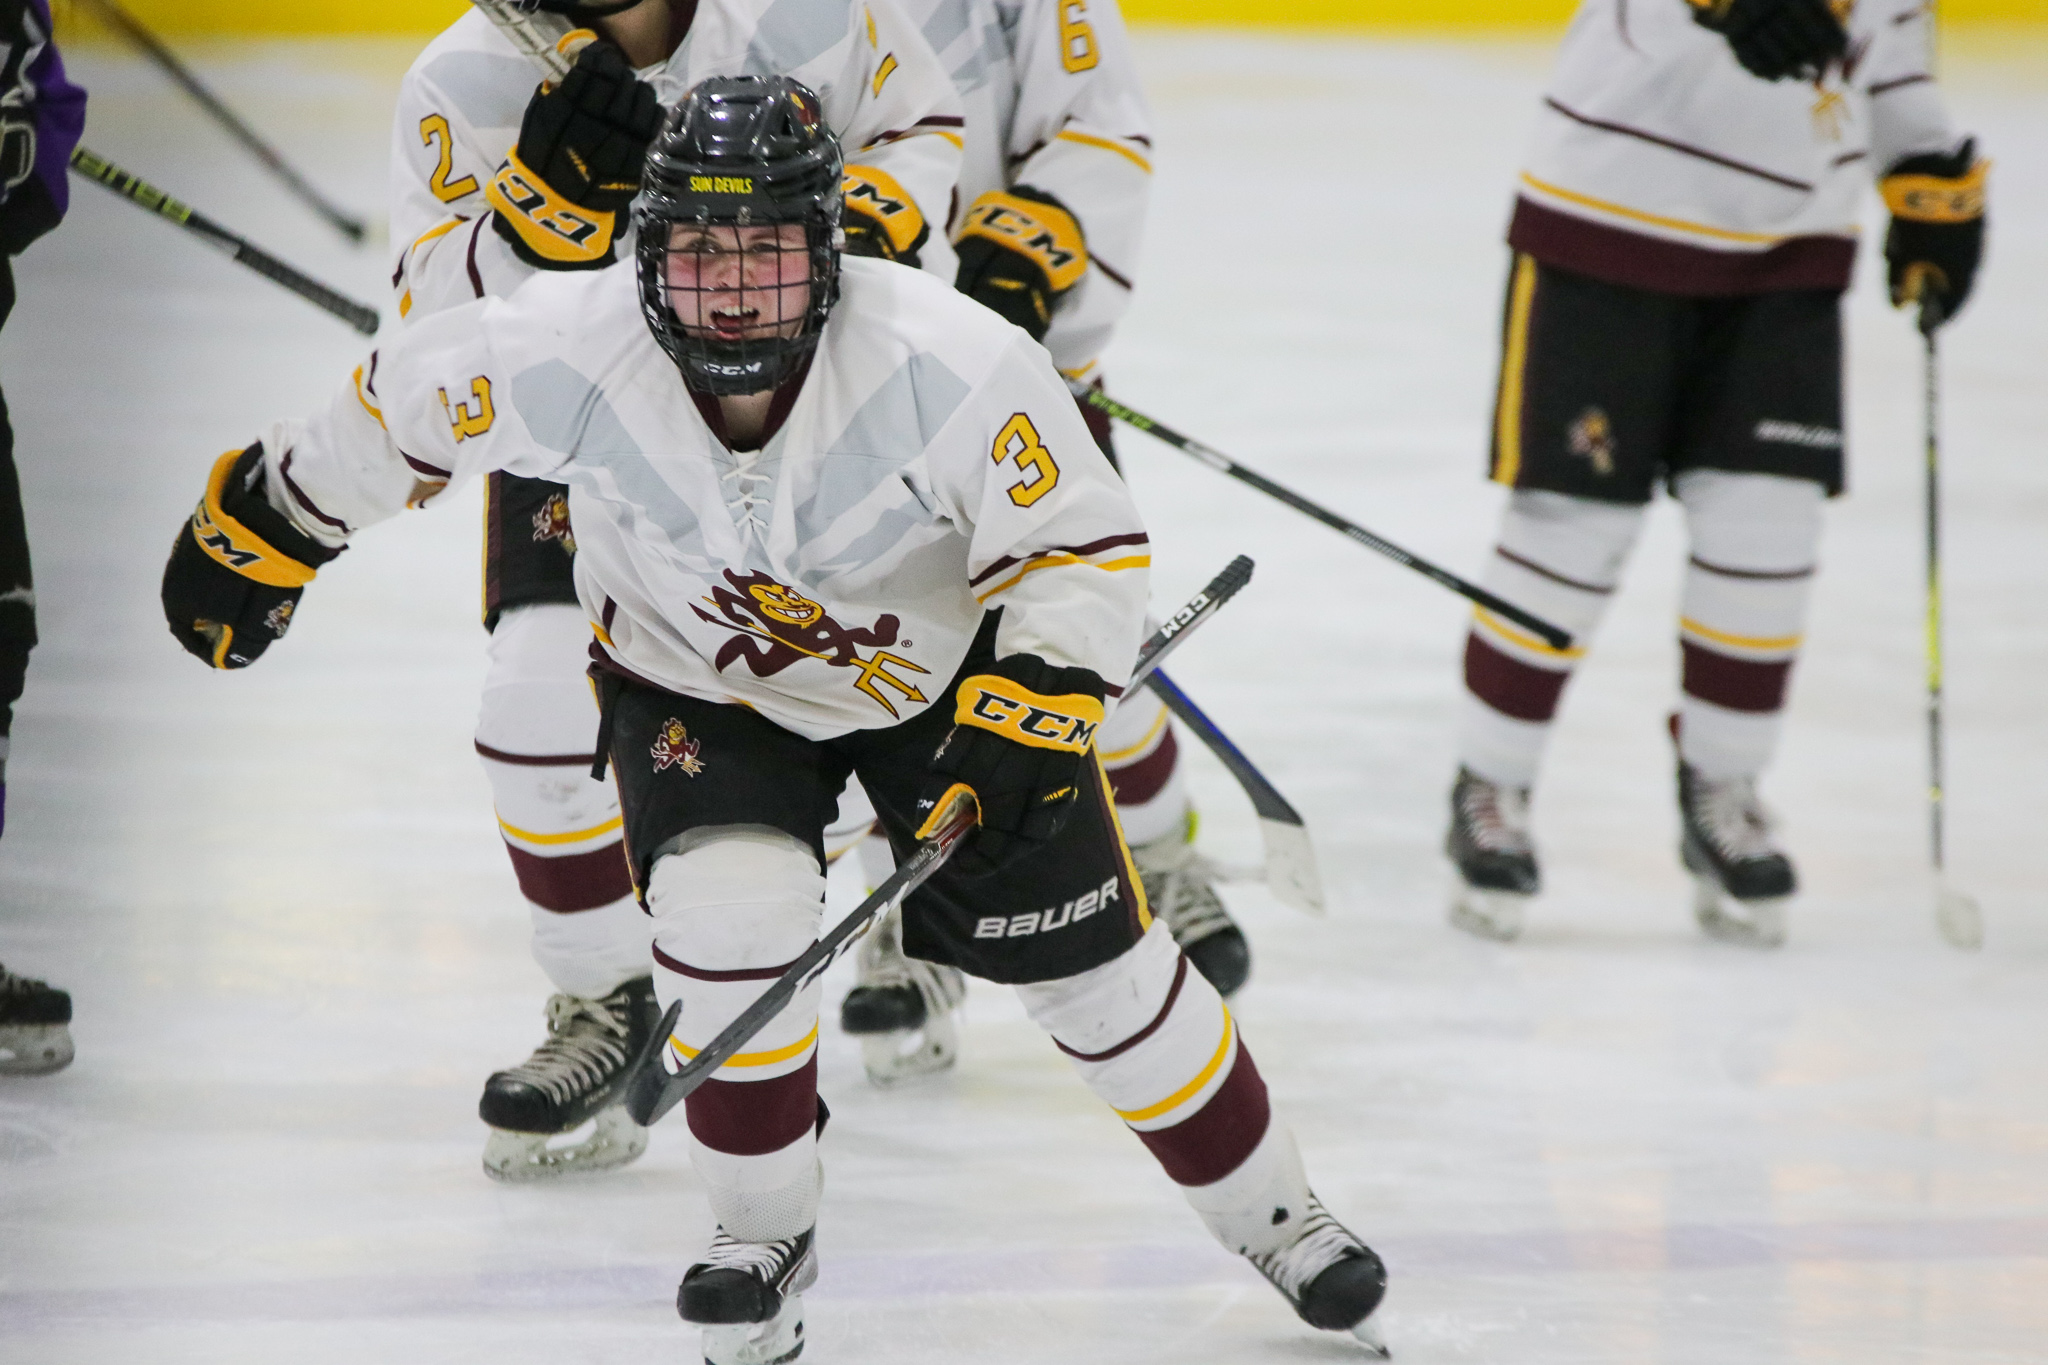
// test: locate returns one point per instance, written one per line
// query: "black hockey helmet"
(739, 152)
(579, 9)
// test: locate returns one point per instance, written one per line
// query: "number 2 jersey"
(933, 467)
(460, 106)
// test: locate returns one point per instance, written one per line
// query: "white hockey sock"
(1559, 557)
(1257, 1207)
(733, 907)
(1755, 540)
(1141, 755)
(535, 731)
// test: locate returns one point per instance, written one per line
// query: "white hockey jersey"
(933, 467)
(1053, 101)
(461, 103)
(1658, 162)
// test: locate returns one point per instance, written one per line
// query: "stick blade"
(647, 1083)
(1291, 870)
(1960, 918)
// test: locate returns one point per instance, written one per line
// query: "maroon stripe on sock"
(578, 881)
(1180, 976)
(1217, 1138)
(1738, 684)
(1510, 686)
(1761, 575)
(1553, 575)
(754, 1118)
(1139, 781)
(682, 968)
(534, 760)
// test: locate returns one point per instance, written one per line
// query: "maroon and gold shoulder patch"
(674, 747)
(551, 522)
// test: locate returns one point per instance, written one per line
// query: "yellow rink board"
(268, 17)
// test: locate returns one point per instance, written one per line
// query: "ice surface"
(296, 951)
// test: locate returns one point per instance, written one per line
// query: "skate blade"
(613, 1141)
(1748, 924)
(773, 1342)
(1368, 1335)
(1495, 915)
(895, 1058)
(34, 1049)
(1960, 919)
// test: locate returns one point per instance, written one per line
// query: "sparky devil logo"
(551, 522)
(775, 626)
(673, 747)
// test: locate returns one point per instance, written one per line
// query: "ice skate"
(576, 1077)
(748, 1298)
(35, 1032)
(1334, 1281)
(1489, 842)
(902, 1009)
(1180, 888)
(1742, 880)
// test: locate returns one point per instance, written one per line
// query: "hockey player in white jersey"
(1682, 236)
(492, 182)
(832, 519)
(1054, 182)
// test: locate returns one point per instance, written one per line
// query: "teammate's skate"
(35, 1033)
(575, 1077)
(1179, 886)
(748, 1298)
(1742, 879)
(1489, 841)
(902, 1008)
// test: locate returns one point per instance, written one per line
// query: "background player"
(859, 561)
(475, 222)
(1054, 183)
(1682, 238)
(41, 116)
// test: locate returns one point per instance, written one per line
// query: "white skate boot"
(1334, 1281)
(902, 1008)
(1742, 881)
(35, 1026)
(1489, 842)
(576, 1077)
(748, 1298)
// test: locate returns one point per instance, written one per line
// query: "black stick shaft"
(359, 316)
(131, 28)
(1223, 464)
(1930, 323)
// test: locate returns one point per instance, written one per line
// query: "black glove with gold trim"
(1019, 251)
(882, 220)
(1774, 39)
(1937, 234)
(558, 198)
(1022, 733)
(238, 567)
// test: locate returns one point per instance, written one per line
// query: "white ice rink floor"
(280, 902)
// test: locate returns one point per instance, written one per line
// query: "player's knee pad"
(1561, 556)
(732, 908)
(537, 698)
(592, 952)
(1153, 1040)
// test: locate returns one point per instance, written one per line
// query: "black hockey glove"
(237, 568)
(1021, 734)
(1937, 234)
(1774, 39)
(1019, 252)
(577, 166)
(882, 220)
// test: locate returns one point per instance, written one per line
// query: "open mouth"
(735, 321)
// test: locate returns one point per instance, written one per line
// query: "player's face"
(739, 283)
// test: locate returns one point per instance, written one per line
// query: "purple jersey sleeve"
(59, 110)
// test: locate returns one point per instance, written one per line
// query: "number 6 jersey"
(931, 467)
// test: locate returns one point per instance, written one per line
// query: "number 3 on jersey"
(467, 421)
(1019, 441)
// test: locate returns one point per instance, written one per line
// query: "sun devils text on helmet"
(738, 225)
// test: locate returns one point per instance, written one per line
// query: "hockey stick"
(1223, 464)
(153, 47)
(536, 33)
(652, 1089)
(356, 315)
(1290, 857)
(1956, 914)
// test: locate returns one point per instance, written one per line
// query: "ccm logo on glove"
(1014, 712)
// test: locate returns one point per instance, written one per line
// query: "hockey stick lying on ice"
(359, 316)
(153, 47)
(652, 1089)
(1290, 857)
(536, 33)
(1223, 464)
